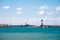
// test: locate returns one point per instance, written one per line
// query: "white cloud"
(6, 7)
(16, 21)
(19, 9)
(18, 12)
(50, 13)
(44, 7)
(33, 21)
(41, 12)
(58, 8)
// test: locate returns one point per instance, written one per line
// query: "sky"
(19, 12)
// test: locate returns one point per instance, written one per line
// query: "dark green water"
(24, 33)
(28, 30)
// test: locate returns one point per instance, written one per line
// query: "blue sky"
(30, 11)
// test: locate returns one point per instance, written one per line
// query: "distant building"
(3, 25)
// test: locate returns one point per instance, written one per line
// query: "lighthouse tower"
(41, 22)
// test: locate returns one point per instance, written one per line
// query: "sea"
(29, 33)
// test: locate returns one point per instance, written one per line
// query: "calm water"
(29, 33)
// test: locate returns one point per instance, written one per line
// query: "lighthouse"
(41, 23)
